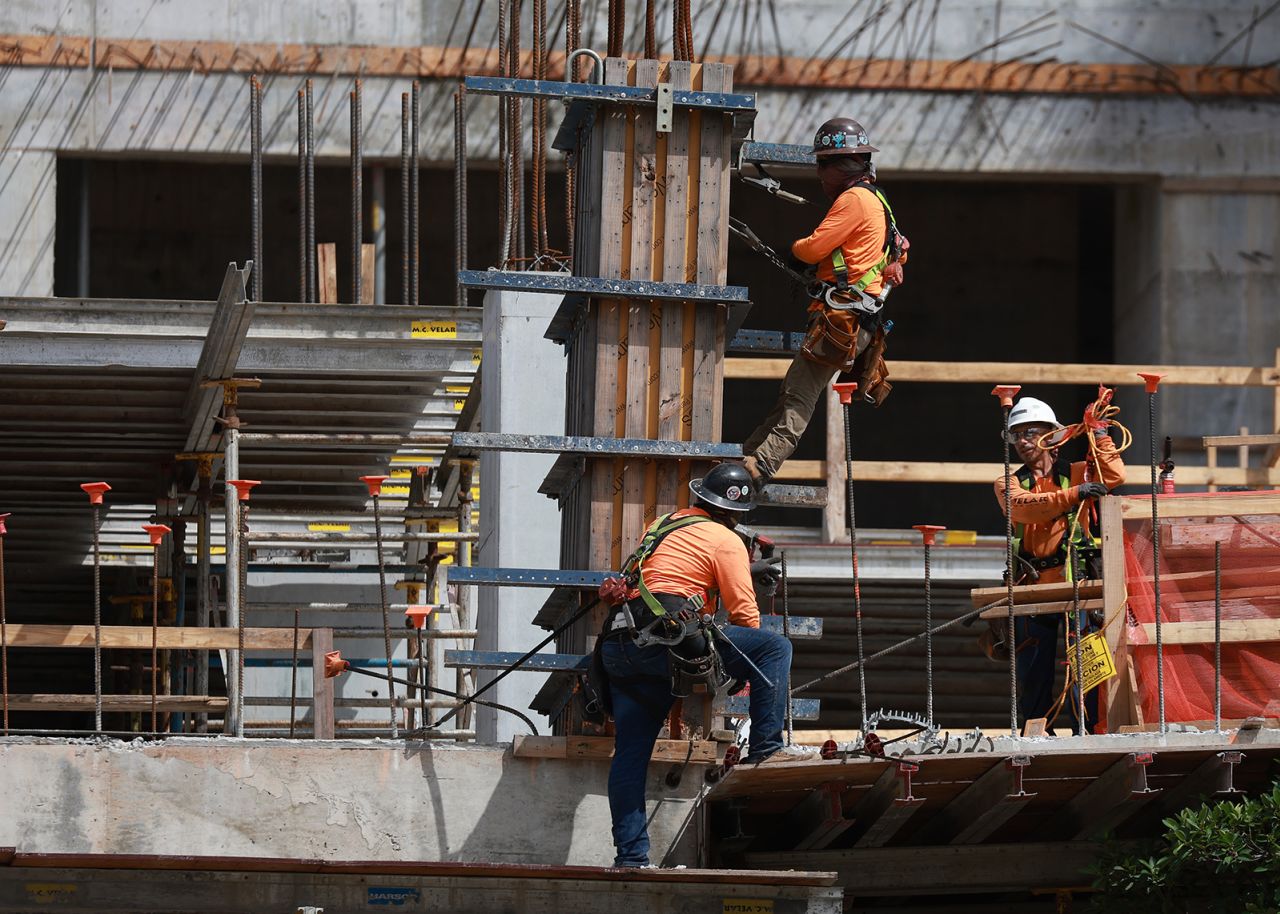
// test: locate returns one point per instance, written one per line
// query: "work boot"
(758, 476)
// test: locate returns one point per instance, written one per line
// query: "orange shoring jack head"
(244, 487)
(374, 483)
(1152, 379)
(829, 750)
(928, 531)
(156, 532)
(3, 531)
(845, 391)
(1006, 393)
(95, 491)
(417, 614)
(334, 664)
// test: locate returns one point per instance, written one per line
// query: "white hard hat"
(1029, 410)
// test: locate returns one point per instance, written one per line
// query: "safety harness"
(1061, 473)
(890, 254)
(633, 569)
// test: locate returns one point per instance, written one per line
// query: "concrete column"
(1198, 266)
(522, 384)
(28, 192)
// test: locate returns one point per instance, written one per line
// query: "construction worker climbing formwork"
(1053, 506)
(858, 255)
(660, 638)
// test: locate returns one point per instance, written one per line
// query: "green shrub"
(1222, 856)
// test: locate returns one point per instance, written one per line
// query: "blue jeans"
(640, 684)
(1037, 640)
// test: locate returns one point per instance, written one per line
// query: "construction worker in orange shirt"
(1049, 509)
(858, 254)
(656, 642)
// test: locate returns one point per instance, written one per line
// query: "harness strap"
(841, 270)
(653, 537)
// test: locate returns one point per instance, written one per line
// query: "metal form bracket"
(887, 806)
(765, 341)
(776, 154)
(475, 442)
(665, 108)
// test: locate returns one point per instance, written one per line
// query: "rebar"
(786, 633)
(243, 574)
(650, 30)
(893, 648)
(1011, 638)
(538, 206)
(1155, 557)
(415, 201)
(97, 618)
(853, 555)
(155, 631)
(255, 180)
(312, 291)
(302, 196)
(386, 615)
(1078, 624)
(1217, 636)
(406, 286)
(928, 631)
(460, 190)
(357, 196)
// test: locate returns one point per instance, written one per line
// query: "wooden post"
(835, 516)
(1211, 462)
(327, 267)
(367, 274)
(321, 688)
(1119, 698)
(1243, 450)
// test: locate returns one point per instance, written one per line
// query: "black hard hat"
(841, 136)
(727, 486)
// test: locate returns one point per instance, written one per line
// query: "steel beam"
(218, 357)
(777, 154)
(726, 102)
(475, 442)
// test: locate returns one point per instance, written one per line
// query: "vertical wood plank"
(367, 281)
(613, 174)
(1118, 697)
(708, 342)
(321, 688)
(327, 267)
(643, 192)
(607, 319)
(835, 516)
(670, 406)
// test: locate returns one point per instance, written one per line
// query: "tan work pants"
(776, 438)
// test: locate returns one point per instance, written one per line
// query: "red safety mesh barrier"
(1250, 599)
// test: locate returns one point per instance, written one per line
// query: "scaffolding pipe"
(311, 196)
(255, 180)
(204, 536)
(414, 198)
(460, 190)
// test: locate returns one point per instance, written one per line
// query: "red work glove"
(893, 274)
(613, 591)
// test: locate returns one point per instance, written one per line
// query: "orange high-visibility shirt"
(700, 558)
(1044, 508)
(856, 224)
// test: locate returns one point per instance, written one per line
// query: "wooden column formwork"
(651, 206)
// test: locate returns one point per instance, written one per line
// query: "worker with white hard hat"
(1046, 495)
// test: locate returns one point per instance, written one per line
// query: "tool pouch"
(832, 338)
(872, 372)
(597, 702)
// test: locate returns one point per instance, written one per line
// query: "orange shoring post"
(157, 533)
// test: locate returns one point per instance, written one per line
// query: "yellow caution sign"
(748, 906)
(959, 537)
(415, 459)
(434, 330)
(475, 356)
(328, 528)
(1097, 664)
(395, 490)
(401, 474)
(458, 388)
(50, 892)
(458, 404)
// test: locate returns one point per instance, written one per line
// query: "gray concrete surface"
(353, 800)
(523, 392)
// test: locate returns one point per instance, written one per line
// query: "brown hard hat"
(841, 136)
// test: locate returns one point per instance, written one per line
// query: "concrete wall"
(523, 392)
(330, 801)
